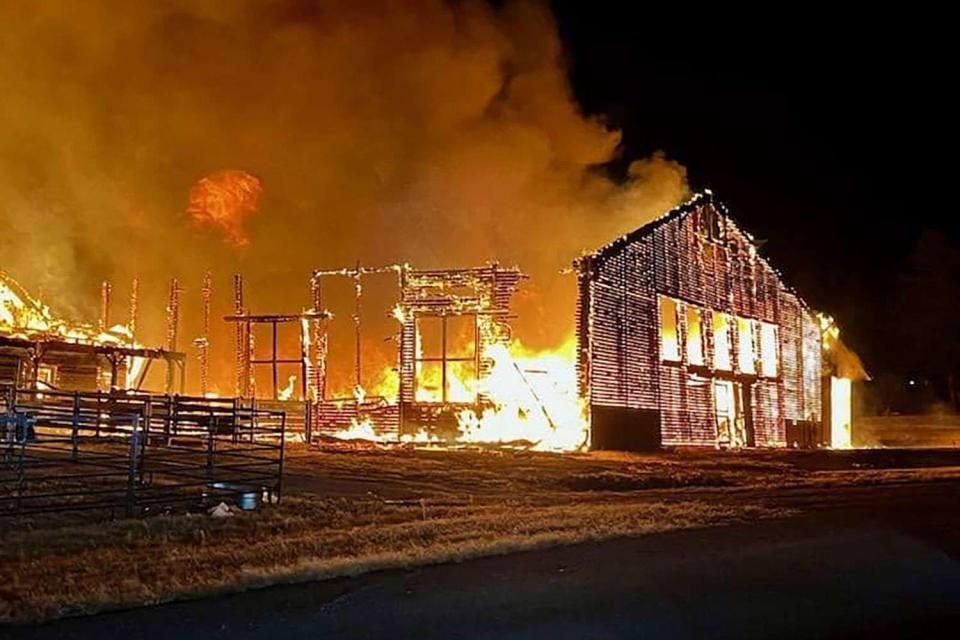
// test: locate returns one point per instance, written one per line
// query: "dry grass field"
(350, 511)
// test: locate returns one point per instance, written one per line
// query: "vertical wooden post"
(173, 321)
(105, 290)
(443, 358)
(203, 342)
(358, 291)
(75, 427)
(273, 360)
(132, 467)
(241, 346)
(134, 300)
(147, 419)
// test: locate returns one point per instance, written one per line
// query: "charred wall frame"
(483, 293)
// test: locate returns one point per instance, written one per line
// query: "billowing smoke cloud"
(434, 133)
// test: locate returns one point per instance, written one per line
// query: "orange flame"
(224, 200)
(534, 399)
(529, 400)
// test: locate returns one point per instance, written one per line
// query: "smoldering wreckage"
(684, 335)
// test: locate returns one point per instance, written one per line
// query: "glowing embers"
(446, 362)
(23, 316)
(669, 338)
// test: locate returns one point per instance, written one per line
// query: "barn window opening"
(746, 358)
(721, 341)
(768, 349)
(694, 336)
(446, 359)
(669, 340)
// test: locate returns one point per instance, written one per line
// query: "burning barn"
(448, 324)
(686, 335)
(457, 374)
(41, 351)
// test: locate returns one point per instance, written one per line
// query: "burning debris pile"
(23, 316)
(461, 375)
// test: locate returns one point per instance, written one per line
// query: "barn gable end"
(696, 266)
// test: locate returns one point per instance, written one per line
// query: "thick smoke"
(439, 134)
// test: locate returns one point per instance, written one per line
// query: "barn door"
(745, 433)
(731, 403)
(725, 409)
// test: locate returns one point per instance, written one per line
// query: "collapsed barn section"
(447, 322)
(79, 432)
(688, 336)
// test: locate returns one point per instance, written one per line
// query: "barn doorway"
(733, 414)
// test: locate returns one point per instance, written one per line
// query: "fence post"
(308, 423)
(76, 424)
(99, 410)
(170, 418)
(147, 418)
(21, 470)
(283, 442)
(210, 428)
(132, 468)
(11, 431)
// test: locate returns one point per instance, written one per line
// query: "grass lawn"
(348, 512)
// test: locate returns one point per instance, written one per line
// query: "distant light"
(911, 382)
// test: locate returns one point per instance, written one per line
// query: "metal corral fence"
(133, 454)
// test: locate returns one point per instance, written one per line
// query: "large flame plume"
(534, 398)
(224, 201)
(436, 133)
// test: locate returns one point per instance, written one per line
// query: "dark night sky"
(826, 137)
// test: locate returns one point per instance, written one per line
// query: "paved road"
(872, 562)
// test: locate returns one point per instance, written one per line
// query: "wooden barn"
(41, 351)
(688, 336)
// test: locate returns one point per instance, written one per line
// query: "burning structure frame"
(479, 296)
(685, 334)
(105, 445)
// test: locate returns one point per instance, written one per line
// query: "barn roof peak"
(697, 199)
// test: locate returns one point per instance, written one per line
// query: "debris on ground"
(222, 510)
